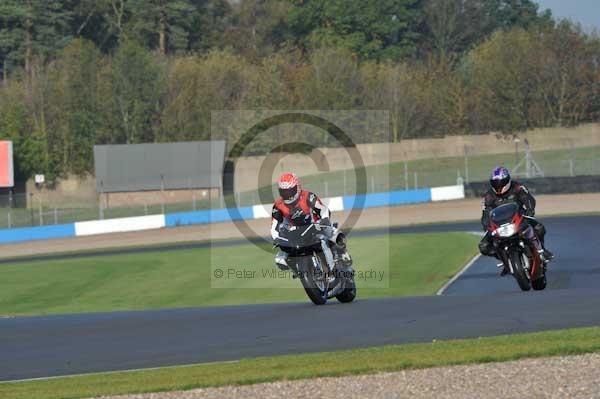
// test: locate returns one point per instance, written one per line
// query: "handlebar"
(290, 227)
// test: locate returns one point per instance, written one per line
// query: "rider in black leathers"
(504, 190)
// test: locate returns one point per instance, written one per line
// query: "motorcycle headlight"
(506, 230)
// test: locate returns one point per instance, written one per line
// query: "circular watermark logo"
(275, 154)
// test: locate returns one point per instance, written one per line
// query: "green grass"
(359, 361)
(416, 264)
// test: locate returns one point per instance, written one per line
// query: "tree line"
(81, 72)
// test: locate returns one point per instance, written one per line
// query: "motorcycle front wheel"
(315, 286)
(516, 258)
(349, 292)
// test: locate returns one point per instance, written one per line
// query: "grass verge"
(358, 361)
(412, 264)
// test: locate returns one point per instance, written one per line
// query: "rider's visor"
(499, 184)
(288, 194)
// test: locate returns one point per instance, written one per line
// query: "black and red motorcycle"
(511, 233)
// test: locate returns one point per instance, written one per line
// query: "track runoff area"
(477, 303)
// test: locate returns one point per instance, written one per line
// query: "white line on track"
(457, 275)
(117, 371)
(476, 233)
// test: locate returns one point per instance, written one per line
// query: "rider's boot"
(501, 265)
(543, 258)
(543, 254)
(343, 258)
(281, 261)
(548, 256)
(504, 271)
(536, 242)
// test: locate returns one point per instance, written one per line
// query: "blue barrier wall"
(410, 196)
(371, 200)
(37, 233)
(387, 198)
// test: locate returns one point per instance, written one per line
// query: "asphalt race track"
(479, 303)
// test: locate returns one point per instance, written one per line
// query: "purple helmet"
(500, 180)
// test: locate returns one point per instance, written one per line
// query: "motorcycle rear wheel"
(539, 284)
(519, 271)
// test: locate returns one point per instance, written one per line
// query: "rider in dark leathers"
(504, 190)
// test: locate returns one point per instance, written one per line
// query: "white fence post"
(406, 175)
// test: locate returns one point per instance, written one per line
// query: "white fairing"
(334, 204)
(323, 209)
(274, 232)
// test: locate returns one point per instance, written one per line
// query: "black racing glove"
(530, 212)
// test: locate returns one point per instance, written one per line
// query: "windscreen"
(504, 213)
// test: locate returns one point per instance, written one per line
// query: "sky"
(586, 12)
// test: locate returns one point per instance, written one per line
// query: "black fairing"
(300, 240)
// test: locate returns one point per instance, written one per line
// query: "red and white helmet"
(289, 187)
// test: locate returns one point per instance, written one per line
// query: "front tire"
(317, 294)
(519, 271)
(349, 293)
